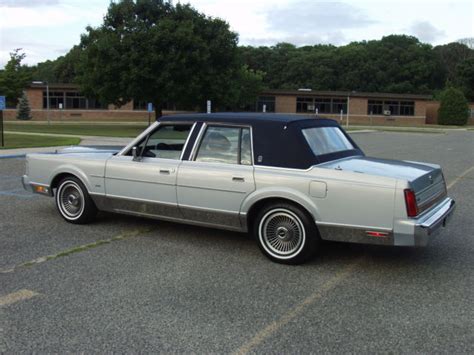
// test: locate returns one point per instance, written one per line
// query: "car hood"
(89, 150)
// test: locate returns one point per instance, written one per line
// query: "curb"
(12, 156)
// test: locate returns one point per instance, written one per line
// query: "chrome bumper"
(427, 226)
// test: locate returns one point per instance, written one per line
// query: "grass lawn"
(28, 141)
(103, 130)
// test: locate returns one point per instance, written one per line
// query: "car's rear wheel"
(286, 234)
(73, 201)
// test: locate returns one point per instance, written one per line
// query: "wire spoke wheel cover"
(70, 200)
(282, 233)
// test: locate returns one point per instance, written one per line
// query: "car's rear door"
(218, 176)
(147, 186)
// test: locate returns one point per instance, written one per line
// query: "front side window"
(326, 140)
(228, 145)
(166, 142)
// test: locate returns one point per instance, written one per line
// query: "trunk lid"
(426, 180)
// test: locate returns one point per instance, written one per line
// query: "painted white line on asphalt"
(17, 296)
(460, 177)
(297, 310)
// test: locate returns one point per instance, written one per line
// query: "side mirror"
(136, 157)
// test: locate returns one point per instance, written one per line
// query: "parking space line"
(294, 312)
(17, 296)
(77, 249)
(460, 177)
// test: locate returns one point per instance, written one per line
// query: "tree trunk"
(158, 110)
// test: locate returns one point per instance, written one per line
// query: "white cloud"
(425, 31)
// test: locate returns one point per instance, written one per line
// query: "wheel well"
(59, 177)
(257, 206)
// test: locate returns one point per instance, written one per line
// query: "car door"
(216, 179)
(146, 184)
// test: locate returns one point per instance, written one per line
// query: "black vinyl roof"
(277, 138)
(244, 118)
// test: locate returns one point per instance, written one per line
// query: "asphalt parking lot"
(160, 287)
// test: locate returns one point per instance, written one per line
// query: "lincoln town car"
(291, 181)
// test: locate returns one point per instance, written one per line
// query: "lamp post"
(47, 97)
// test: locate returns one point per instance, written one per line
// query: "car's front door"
(146, 185)
(214, 182)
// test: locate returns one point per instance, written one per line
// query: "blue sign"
(2, 103)
(150, 107)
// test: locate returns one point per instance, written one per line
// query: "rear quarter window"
(326, 140)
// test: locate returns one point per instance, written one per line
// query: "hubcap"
(71, 200)
(282, 233)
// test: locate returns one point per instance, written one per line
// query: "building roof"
(375, 95)
(55, 86)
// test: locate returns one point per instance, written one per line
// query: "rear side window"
(326, 140)
(228, 145)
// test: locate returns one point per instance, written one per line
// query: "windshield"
(325, 140)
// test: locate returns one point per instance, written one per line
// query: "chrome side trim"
(183, 221)
(213, 217)
(353, 226)
(354, 234)
(187, 141)
(170, 212)
(140, 200)
(212, 188)
(138, 180)
(197, 142)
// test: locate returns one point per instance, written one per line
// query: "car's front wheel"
(73, 201)
(286, 234)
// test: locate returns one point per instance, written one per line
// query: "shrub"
(454, 108)
(24, 111)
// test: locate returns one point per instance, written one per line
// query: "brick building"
(66, 103)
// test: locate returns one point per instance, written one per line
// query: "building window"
(338, 105)
(304, 104)
(95, 104)
(375, 107)
(321, 104)
(407, 108)
(75, 100)
(55, 98)
(268, 101)
(140, 105)
(394, 108)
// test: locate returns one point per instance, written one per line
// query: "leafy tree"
(453, 109)
(465, 77)
(23, 111)
(14, 78)
(151, 50)
(449, 56)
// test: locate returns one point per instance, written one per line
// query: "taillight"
(410, 201)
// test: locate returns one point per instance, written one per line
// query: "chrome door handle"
(166, 171)
(238, 178)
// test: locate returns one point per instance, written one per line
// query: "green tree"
(14, 78)
(453, 109)
(23, 109)
(464, 78)
(151, 50)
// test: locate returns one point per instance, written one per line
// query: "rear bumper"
(429, 225)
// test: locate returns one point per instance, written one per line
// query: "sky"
(46, 29)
